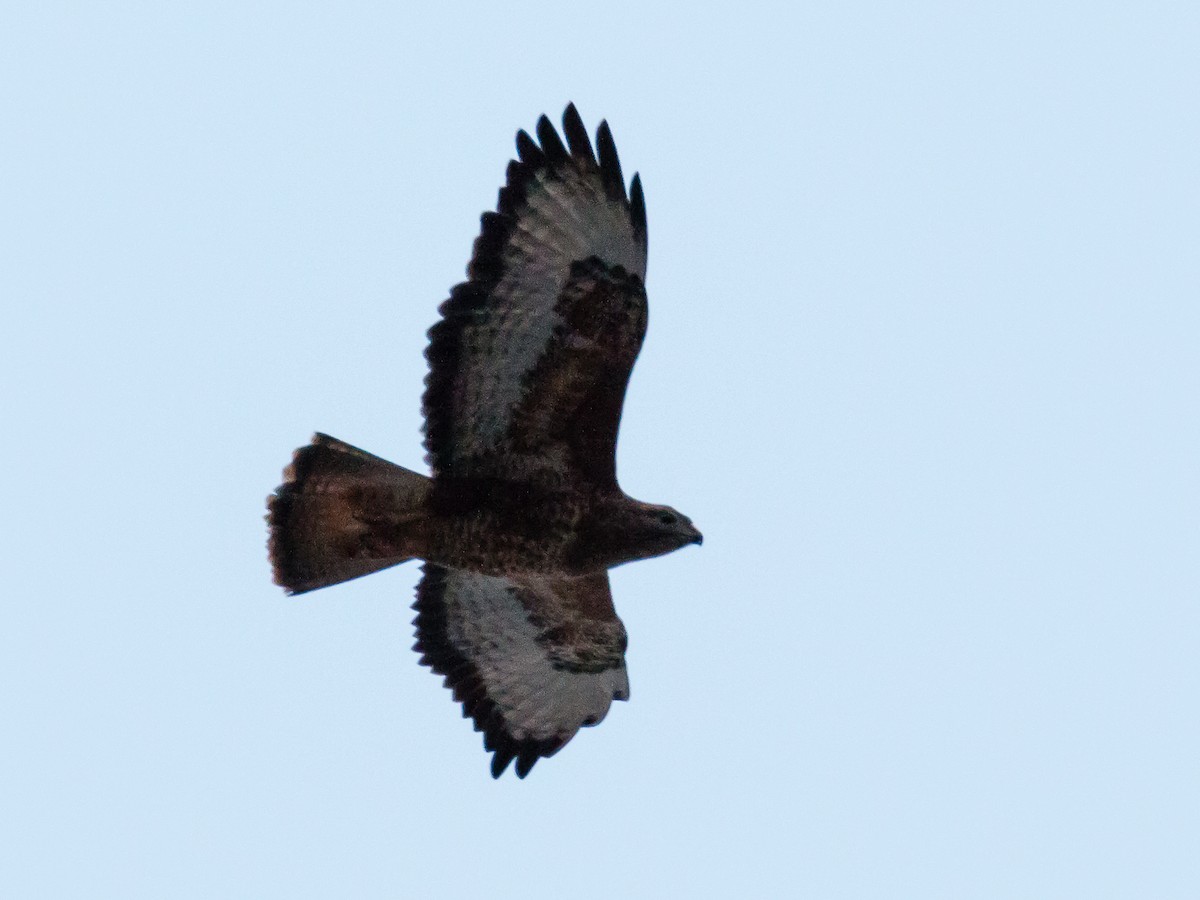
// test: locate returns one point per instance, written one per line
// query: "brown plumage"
(522, 515)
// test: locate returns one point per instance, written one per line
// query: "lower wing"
(531, 660)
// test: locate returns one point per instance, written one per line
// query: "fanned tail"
(342, 513)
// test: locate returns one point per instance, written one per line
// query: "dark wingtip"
(577, 136)
(552, 144)
(610, 163)
(637, 207)
(525, 762)
(500, 761)
(527, 149)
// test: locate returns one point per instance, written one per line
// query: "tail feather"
(342, 513)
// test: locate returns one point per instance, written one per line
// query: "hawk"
(521, 516)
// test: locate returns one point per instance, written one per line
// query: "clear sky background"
(922, 365)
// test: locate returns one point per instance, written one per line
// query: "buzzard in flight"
(521, 516)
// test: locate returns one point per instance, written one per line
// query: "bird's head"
(661, 529)
(624, 530)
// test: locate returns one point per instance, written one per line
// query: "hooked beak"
(697, 537)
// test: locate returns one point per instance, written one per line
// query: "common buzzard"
(521, 516)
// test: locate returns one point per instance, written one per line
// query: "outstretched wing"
(531, 663)
(529, 364)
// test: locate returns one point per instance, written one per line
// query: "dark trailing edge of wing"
(486, 267)
(464, 679)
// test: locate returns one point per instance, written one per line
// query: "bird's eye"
(666, 518)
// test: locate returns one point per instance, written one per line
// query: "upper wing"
(558, 268)
(531, 663)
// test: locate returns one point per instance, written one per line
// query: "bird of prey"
(521, 516)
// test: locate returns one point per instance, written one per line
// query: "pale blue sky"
(922, 365)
